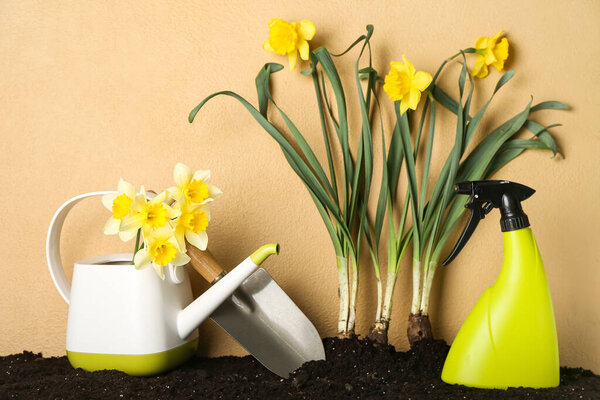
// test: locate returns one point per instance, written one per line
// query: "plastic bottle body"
(509, 338)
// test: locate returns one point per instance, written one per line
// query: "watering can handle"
(53, 243)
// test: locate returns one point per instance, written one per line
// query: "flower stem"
(353, 295)
(416, 299)
(389, 293)
(342, 267)
(137, 245)
(379, 300)
(427, 283)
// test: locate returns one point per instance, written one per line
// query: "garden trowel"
(262, 318)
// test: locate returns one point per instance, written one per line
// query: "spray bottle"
(509, 338)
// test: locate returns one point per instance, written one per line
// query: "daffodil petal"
(112, 226)
(202, 175)
(209, 200)
(159, 198)
(142, 259)
(159, 270)
(501, 53)
(303, 49)
(132, 222)
(180, 259)
(273, 21)
(481, 43)
(214, 191)
(307, 30)
(172, 213)
(403, 107)
(126, 188)
(139, 203)
(174, 193)
(198, 240)
(182, 174)
(399, 66)
(267, 46)
(480, 70)
(409, 66)
(414, 97)
(496, 36)
(126, 236)
(180, 238)
(107, 200)
(292, 58)
(489, 57)
(422, 80)
(207, 212)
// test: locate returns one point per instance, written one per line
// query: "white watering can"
(131, 320)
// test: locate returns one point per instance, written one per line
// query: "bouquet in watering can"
(162, 223)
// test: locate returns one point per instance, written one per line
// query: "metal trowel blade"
(262, 318)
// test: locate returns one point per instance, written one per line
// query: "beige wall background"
(92, 91)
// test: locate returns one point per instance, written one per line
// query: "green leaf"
(455, 156)
(504, 79)
(264, 96)
(474, 123)
(501, 159)
(394, 161)
(550, 105)
(262, 85)
(325, 131)
(475, 166)
(366, 38)
(476, 163)
(300, 167)
(411, 171)
(444, 99)
(543, 134)
(427, 164)
(323, 56)
(524, 144)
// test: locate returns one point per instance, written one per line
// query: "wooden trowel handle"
(204, 263)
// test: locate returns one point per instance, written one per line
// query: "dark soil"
(355, 369)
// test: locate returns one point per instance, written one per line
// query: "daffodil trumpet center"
(121, 206)
(196, 221)
(156, 215)
(196, 191)
(162, 251)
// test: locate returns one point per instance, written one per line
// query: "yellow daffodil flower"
(290, 38)
(146, 215)
(160, 249)
(490, 52)
(120, 206)
(192, 187)
(405, 84)
(191, 225)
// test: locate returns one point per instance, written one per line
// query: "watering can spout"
(260, 255)
(194, 314)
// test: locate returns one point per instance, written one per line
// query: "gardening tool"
(509, 338)
(131, 320)
(262, 318)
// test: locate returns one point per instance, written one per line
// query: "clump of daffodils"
(162, 223)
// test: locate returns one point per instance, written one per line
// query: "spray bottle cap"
(487, 195)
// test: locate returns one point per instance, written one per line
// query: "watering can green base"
(135, 364)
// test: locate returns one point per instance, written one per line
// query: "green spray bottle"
(509, 338)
